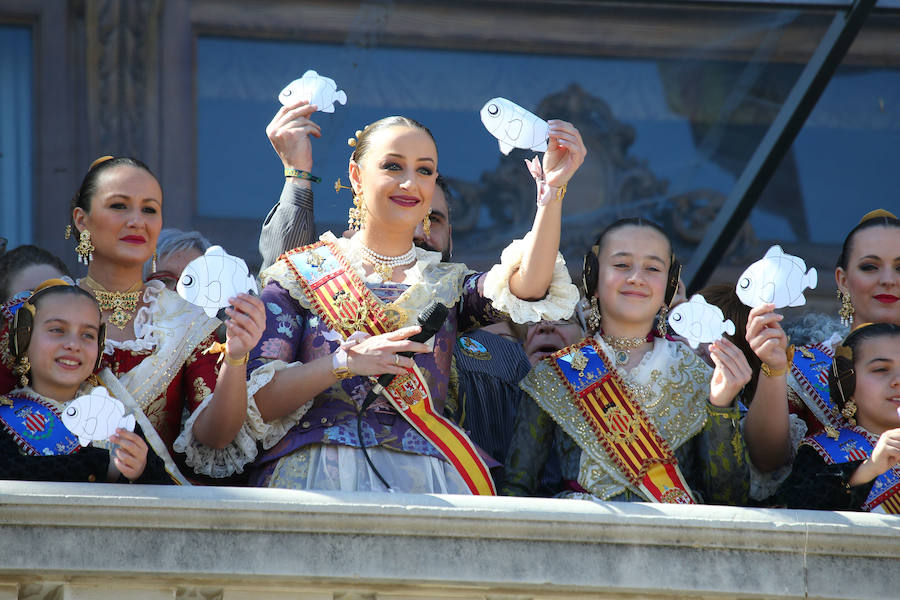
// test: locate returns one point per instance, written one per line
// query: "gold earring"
(849, 411)
(338, 186)
(357, 215)
(845, 312)
(593, 318)
(22, 367)
(85, 249)
(68, 231)
(426, 224)
(153, 264)
(662, 323)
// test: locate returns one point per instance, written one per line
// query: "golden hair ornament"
(878, 213)
(100, 160)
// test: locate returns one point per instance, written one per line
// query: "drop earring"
(426, 224)
(845, 312)
(85, 249)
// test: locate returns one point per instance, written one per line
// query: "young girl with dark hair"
(855, 467)
(55, 341)
(634, 416)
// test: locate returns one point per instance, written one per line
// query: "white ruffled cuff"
(764, 485)
(223, 462)
(557, 304)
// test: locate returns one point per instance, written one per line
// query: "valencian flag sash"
(342, 300)
(810, 369)
(622, 427)
(36, 426)
(855, 443)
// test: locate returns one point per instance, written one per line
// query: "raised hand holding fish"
(289, 132)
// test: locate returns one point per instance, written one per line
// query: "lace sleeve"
(559, 302)
(243, 448)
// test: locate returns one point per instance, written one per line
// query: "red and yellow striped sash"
(624, 430)
(340, 298)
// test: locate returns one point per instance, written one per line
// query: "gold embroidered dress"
(671, 384)
(321, 449)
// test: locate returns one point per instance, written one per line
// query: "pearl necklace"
(384, 265)
(623, 346)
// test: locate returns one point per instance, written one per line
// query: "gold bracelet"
(770, 372)
(561, 192)
(236, 362)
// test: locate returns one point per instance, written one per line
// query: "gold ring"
(397, 360)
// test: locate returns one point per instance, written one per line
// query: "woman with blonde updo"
(340, 312)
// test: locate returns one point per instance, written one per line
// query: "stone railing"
(93, 542)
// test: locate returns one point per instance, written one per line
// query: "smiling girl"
(644, 417)
(344, 308)
(56, 340)
(855, 468)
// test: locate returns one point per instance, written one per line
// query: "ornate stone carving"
(121, 70)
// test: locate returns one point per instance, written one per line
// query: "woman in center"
(340, 312)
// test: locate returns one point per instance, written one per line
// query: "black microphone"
(430, 320)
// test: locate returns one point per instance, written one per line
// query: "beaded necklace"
(121, 303)
(384, 265)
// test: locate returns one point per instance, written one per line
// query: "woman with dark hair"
(345, 309)
(633, 415)
(868, 281)
(854, 467)
(156, 341)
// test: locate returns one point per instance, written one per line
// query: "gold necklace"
(623, 346)
(121, 303)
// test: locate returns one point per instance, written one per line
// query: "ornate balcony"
(92, 542)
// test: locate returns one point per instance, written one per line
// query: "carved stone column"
(122, 65)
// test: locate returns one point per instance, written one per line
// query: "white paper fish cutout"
(777, 278)
(96, 416)
(210, 280)
(513, 126)
(315, 89)
(699, 322)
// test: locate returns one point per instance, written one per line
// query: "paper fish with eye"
(514, 127)
(315, 89)
(96, 416)
(777, 278)
(699, 322)
(210, 280)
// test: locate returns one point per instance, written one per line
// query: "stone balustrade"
(97, 542)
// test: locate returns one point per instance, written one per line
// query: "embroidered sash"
(855, 443)
(810, 370)
(619, 423)
(36, 426)
(339, 297)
